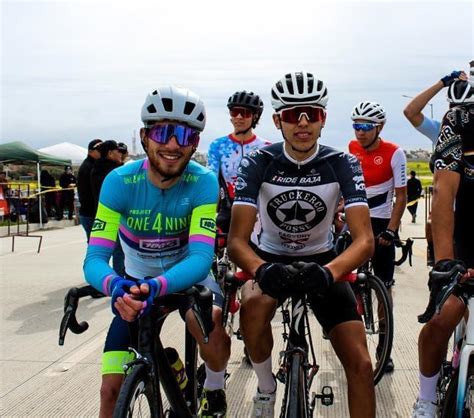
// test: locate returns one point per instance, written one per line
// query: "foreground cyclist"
(453, 232)
(163, 208)
(225, 153)
(384, 168)
(294, 188)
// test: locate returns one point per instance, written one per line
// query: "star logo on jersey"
(296, 211)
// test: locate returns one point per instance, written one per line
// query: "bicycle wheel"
(295, 403)
(449, 406)
(377, 316)
(137, 398)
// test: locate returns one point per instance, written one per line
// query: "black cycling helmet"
(249, 100)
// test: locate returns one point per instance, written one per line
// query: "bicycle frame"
(299, 343)
(150, 351)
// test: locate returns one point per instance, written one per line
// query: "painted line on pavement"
(16, 254)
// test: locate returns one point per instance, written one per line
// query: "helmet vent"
(189, 107)
(200, 118)
(167, 104)
(155, 93)
(151, 108)
(299, 83)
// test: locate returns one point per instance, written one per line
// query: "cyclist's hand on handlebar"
(443, 272)
(312, 278)
(387, 237)
(275, 279)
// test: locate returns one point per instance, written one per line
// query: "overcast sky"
(78, 70)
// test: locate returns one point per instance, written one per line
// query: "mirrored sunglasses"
(365, 127)
(294, 114)
(244, 112)
(184, 135)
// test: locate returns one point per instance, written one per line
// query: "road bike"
(150, 387)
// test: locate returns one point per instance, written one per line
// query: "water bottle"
(177, 366)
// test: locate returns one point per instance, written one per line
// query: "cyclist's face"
(301, 137)
(170, 159)
(366, 137)
(242, 121)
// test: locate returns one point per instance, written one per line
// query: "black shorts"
(338, 305)
(383, 260)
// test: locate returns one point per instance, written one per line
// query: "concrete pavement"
(41, 379)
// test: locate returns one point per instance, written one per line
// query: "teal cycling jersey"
(167, 234)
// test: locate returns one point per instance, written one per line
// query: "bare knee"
(256, 312)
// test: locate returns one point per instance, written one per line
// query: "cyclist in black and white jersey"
(453, 230)
(295, 187)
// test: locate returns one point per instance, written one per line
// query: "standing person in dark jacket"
(110, 158)
(48, 183)
(67, 181)
(414, 190)
(84, 188)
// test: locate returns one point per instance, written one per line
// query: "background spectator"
(86, 198)
(414, 190)
(48, 183)
(67, 181)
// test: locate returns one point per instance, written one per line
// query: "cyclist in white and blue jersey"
(163, 210)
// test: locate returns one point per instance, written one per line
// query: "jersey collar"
(308, 160)
(234, 139)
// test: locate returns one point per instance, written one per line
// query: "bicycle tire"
(137, 397)
(296, 404)
(449, 405)
(378, 297)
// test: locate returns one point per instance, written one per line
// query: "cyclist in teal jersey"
(163, 210)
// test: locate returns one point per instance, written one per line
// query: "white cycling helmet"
(460, 92)
(370, 111)
(174, 103)
(297, 89)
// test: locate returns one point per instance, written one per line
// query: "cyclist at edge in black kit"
(453, 232)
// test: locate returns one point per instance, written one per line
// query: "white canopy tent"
(72, 152)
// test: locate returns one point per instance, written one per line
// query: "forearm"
(442, 226)
(188, 272)
(242, 254)
(353, 257)
(413, 110)
(397, 213)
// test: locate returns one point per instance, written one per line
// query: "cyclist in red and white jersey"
(225, 153)
(384, 169)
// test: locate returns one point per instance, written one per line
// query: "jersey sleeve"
(429, 128)
(249, 179)
(104, 232)
(399, 168)
(197, 265)
(213, 158)
(448, 151)
(351, 180)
